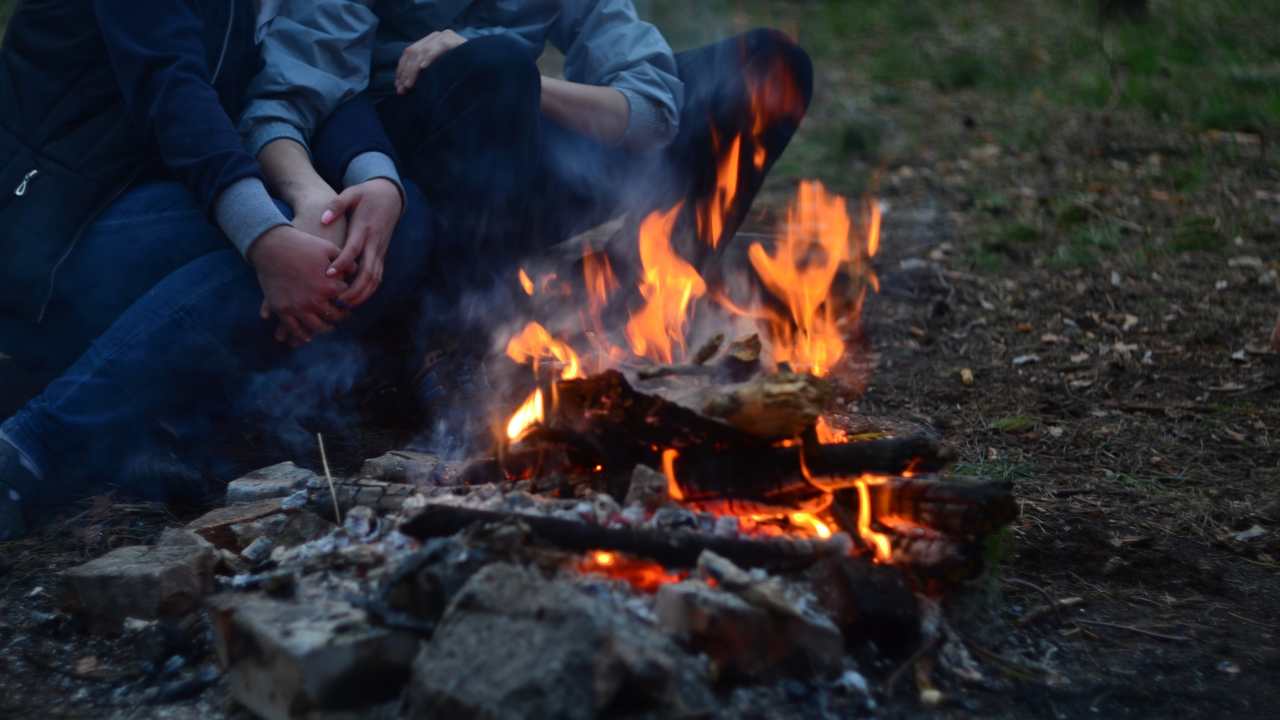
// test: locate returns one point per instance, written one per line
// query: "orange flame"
(806, 520)
(530, 413)
(877, 540)
(535, 343)
(828, 435)
(800, 272)
(873, 230)
(669, 286)
(669, 469)
(774, 96)
(712, 214)
(526, 282)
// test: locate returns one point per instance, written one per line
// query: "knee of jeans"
(409, 244)
(505, 71)
(772, 52)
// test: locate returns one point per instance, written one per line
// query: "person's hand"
(419, 56)
(374, 209)
(291, 267)
(309, 208)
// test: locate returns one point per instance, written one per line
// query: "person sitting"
(515, 160)
(144, 255)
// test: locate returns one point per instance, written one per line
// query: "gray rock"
(404, 466)
(276, 481)
(648, 488)
(515, 645)
(290, 660)
(745, 640)
(182, 536)
(283, 529)
(139, 582)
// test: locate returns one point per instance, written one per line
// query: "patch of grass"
(961, 70)
(1086, 245)
(1198, 234)
(1189, 175)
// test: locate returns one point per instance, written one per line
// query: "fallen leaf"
(1079, 357)
(1240, 356)
(1056, 431)
(1051, 339)
(966, 376)
(1023, 327)
(1025, 360)
(1130, 322)
(1252, 533)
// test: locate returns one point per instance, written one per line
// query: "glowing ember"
(800, 272)
(526, 282)
(534, 343)
(809, 521)
(873, 229)
(530, 413)
(670, 284)
(643, 575)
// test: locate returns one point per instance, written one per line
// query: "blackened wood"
(672, 549)
(956, 507)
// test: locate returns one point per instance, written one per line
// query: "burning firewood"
(673, 549)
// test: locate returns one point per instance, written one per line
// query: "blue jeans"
(168, 312)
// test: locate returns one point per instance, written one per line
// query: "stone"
(258, 551)
(215, 525)
(744, 640)
(422, 585)
(277, 481)
(648, 488)
(516, 645)
(405, 466)
(182, 536)
(284, 528)
(139, 582)
(301, 659)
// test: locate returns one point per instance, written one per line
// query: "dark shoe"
(13, 521)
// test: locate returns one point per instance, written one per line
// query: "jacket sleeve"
(157, 53)
(605, 43)
(317, 54)
(351, 146)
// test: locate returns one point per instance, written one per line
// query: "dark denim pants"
(168, 312)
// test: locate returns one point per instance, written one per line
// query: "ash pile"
(440, 594)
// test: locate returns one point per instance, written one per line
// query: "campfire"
(674, 495)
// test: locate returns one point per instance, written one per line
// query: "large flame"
(535, 343)
(669, 286)
(809, 253)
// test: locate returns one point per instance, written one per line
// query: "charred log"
(672, 549)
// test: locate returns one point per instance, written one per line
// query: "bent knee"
(501, 64)
(781, 60)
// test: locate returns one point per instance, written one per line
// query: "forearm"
(289, 173)
(599, 112)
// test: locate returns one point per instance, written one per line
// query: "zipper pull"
(26, 180)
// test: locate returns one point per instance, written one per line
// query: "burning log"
(954, 507)
(672, 549)
(776, 407)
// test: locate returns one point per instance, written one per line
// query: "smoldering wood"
(672, 549)
(956, 507)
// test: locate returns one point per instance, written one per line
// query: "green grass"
(1206, 63)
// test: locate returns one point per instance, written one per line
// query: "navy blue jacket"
(95, 94)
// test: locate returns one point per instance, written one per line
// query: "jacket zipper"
(26, 181)
(75, 239)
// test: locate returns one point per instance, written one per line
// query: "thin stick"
(1130, 628)
(333, 493)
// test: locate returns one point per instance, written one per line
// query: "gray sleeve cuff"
(647, 127)
(260, 134)
(372, 165)
(245, 211)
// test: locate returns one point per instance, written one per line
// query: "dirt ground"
(1108, 279)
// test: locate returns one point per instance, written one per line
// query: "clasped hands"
(330, 261)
